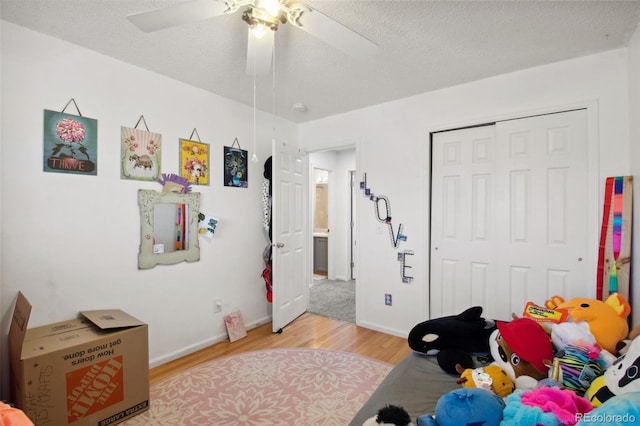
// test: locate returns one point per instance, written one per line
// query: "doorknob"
(279, 245)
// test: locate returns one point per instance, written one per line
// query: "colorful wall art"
(235, 167)
(70, 143)
(382, 208)
(140, 157)
(614, 254)
(194, 161)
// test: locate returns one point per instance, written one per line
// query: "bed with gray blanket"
(415, 384)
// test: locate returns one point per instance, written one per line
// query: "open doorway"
(332, 290)
(320, 223)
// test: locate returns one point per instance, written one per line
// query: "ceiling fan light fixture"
(259, 21)
(272, 7)
(258, 29)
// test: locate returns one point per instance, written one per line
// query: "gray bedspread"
(415, 384)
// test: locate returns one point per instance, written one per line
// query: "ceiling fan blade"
(179, 14)
(259, 53)
(330, 31)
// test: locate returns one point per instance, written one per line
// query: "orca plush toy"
(453, 338)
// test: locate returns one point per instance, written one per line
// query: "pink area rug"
(263, 388)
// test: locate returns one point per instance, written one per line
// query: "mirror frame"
(147, 199)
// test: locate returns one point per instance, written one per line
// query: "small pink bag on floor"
(235, 325)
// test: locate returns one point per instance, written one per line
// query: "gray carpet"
(333, 299)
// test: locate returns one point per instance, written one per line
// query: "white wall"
(634, 155)
(70, 242)
(394, 152)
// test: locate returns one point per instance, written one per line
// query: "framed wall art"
(194, 160)
(140, 153)
(235, 166)
(70, 143)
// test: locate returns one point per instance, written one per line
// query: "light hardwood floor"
(307, 331)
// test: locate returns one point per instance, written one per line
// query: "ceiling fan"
(263, 17)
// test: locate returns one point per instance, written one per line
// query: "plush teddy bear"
(491, 378)
(606, 319)
(465, 406)
(453, 338)
(521, 347)
(622, 377)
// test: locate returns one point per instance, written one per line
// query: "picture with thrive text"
(70, 143)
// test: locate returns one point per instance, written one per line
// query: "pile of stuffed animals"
(564, 363)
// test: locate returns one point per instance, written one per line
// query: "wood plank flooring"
(307, 331)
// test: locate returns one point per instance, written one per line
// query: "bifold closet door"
(508, 222)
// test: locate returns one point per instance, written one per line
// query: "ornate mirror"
(168, 228)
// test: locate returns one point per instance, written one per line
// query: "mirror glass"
(168, 228)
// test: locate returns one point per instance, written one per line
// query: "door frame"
(593, 197)
(354, 145)
(312, 212)
(353, 189)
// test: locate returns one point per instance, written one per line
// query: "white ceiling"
(423, 45)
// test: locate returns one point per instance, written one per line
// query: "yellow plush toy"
(607, 320)
(491, 378)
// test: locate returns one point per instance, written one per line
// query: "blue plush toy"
(620, 410)
(516, 413)
(465, 406)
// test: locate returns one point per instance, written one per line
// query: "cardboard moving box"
(92, 370)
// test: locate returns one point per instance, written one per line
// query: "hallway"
(332, 298)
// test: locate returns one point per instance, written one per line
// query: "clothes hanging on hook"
(266, 223)
(266, 197)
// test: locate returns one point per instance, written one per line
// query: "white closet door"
(509, 222)
(462, 219)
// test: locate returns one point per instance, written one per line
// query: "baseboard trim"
(155, 362)
(382, 329)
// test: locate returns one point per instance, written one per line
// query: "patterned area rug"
(263, 388)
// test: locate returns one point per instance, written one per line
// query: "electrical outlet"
(217, 306)
(388, 299)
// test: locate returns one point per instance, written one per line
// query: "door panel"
(543, 164)
(462, 261)
(290, 294)
(508, 214)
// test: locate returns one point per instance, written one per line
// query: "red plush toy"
(521, 348)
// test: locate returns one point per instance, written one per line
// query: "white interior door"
(462, 222)
(508, 214)
(289, 233)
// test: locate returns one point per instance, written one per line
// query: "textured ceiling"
(423, 45)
